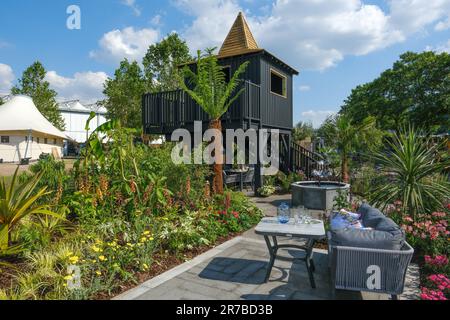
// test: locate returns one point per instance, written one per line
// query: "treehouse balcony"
(164, 112)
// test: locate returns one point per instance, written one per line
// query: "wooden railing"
(175, 109)
(306, 160)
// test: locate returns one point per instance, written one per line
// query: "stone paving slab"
(235, 270)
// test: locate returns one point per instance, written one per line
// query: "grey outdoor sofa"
(370, 260)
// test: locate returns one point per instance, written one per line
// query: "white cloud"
(6, 78)
(132, 4)
(304, 88)
(443, 25)
(127, 43)
(316, 117)
(411, 16)
(444, 47)
(156, 20)
(4, 44)
(315, 34)
(84, 86)
(213, 19)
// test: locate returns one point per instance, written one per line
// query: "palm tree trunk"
(218, 165)
(344, 168)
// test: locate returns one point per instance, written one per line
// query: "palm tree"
(346, 136)
(209, 89)
(415, 174)
(17, 202)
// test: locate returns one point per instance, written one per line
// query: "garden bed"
(124, 214)
(163, 262)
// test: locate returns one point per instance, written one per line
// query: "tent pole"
(28, 143)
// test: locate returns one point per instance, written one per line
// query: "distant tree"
(302, 131)
(415, 90)
(124, 94)
(162, 62)
(33, 84)
(345, 137)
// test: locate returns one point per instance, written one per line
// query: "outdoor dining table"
(271, 228)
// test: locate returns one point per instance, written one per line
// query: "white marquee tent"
(25, 133)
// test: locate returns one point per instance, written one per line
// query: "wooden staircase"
(298, 158)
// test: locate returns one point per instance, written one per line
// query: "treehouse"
(266, 102)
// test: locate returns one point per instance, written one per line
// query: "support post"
(28, 143)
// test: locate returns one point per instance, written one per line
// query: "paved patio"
(235, 270)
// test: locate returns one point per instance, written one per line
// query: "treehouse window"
(5, 139)
(277, 83)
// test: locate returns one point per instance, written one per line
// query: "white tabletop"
(271, 226)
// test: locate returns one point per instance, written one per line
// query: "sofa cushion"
(385, 233)
(370, 216)
(366, 239)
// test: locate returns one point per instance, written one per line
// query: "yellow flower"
(146, 232)
(74, 259)
(151, 239)
(96, 249)
(98, 273)
(102, 258)
(143, 239)
(69, 277)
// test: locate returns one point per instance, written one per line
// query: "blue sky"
(336, 44)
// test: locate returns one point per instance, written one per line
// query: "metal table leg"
(273, 254)
(308, 259)
(310, 263)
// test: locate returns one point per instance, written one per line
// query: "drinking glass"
(296, 213)
(307, 217)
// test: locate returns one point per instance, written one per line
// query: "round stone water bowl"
(316, 195)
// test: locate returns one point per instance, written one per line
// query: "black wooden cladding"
(277, 111)
(257, 107)
(165, 111)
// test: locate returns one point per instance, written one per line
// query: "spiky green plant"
(17, 202)
(415, 173)
(214, 95)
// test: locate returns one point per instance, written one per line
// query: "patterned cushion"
(386, 234)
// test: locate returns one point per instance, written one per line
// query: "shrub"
(18, 202)
(414, 174)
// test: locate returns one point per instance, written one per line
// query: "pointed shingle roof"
(240, 39)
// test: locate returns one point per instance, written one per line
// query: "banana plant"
(18, 201)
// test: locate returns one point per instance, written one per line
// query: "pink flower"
(408, 218)
(439, 214)
(428, 294)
